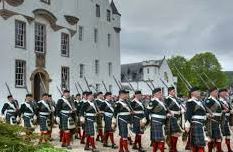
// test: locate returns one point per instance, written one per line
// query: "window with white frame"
(65, 77)
(65, 44)
(81, 70)
(20, 34)
(97, 7)
(40, 38)
(80, 32)
(109, 68)
(20, 73)
(97, 66)
(108, 15)
(109, 40)
(95, 35)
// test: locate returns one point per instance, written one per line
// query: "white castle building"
(155, 73)
(50, 44)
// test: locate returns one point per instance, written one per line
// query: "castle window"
(20, 34)
(20, 73)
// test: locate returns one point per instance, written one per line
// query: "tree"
(207, 70)
(202, 70)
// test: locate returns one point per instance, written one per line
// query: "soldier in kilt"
(78, 108)
(108, 110)
(139, 117)
(215, 107)
(52, 115)
(174, 128)
(84, 100)
(158, 113)
(27, 112)
(195, 120)
(88, 116)
(122, 115)
(99, 100)
(65, 116)
(225, 127)
(10, 111)
(44, 112)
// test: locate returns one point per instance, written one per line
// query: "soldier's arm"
(58, 108)
(189, 113)
(4, 108)
(83, 109)
(116, 109)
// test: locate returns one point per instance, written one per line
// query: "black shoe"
(87, 148)
(95, 150)
(106, 145)
(114, 146)
(69, 147)
(141, 150)
(135, 147)
(63, 145)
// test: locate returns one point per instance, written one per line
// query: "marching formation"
(202, 121)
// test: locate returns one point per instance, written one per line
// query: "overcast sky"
(152, 29)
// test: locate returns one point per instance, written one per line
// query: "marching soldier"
(78, 108)
(27, 111)
(107, 108)
(99, 100)
(158, 113)
(82, 102)
(52, 104)
(122, 114)
(174, 129)
(225, 127)
(88, 116)
(65, 115)
(10, 111)
(195, 121)
(215, 107)
(138, 119)
(44, 113)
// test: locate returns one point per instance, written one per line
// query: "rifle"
(117, 83)
(88, 87)
(186, 83)
(80, 86)
(76, 87)
(59, 91)
(104, 86)
(211, 81)
(8, 88)
(43, 85)
(132, 88)
(151, 83)
(148, 85)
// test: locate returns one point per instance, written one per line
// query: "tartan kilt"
(28, 120)
(99, 121)
(64, 120)
(123, 122)
(225, 127)
(157, 129)
(44, 126)
(197, 135)
(90, 125)
(174, 124)
(136, 124)
(108, 124)
(216, 130)
(78, 124)
(10, 119)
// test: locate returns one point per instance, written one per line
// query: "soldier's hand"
(187, 129)
(82, 120)
(57, 120)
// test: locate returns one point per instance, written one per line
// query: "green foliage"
(195, 69)
(12, 140)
